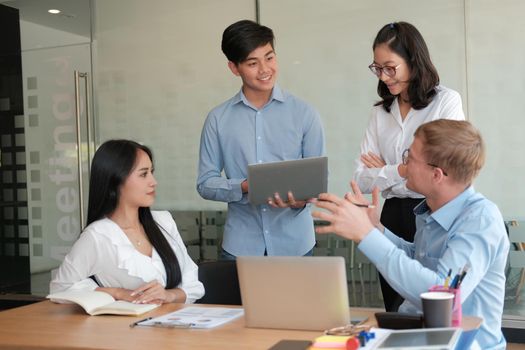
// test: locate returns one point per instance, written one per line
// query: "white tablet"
(421, 339)
(306, 178)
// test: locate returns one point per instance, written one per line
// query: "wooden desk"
(46, 325)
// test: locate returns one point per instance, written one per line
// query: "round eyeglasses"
(348, 330)
(390, 71)
(405, 159)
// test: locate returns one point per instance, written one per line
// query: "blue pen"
(459, 277)
(455, 280)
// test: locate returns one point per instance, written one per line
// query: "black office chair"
(221, 283)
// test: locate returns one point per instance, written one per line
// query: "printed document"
(194, 317)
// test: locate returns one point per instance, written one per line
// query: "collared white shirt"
(388, 135)
(103, 250)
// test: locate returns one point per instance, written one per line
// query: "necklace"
(132, 231)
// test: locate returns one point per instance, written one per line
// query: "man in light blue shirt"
(456, 227)
(260, 124)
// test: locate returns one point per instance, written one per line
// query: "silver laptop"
(306, 178)
(307, 293)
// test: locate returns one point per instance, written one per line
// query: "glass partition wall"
(158, 69)
(53, 134)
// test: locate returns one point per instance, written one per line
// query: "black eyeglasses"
(404, 159)
(390, 71)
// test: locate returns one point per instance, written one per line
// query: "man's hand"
(277, 202)
(345, 217)
(373, 212)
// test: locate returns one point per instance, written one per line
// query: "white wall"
(496, 61)
(159, 70)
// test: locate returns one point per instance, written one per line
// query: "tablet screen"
(305, 178)
(419, 339)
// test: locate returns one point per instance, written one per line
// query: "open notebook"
(98, 303)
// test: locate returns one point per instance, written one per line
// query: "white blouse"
(388, 135)
(104, 250)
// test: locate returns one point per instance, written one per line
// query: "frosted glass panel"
(324, 51)
(54, 178)
(159, 70)
(496, 89)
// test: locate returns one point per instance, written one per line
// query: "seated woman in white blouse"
(132, 253)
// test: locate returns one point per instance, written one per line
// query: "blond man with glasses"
(456, 227)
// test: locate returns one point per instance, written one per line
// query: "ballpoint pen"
(364, 205)
(455, 280)
(462, 276)
(359, 204)
(172, 324)
(137, 322)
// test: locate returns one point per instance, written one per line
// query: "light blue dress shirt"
(468, 230)
(236, 134)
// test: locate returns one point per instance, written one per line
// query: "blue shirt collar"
(277, 94)
(446, 215)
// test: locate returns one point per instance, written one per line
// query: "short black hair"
(242, 37)
(406, 41)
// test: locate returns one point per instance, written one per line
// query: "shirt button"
(264, 209)
(259, 161)
(265, 231)
(258, 137)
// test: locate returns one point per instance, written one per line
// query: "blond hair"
(454, 146)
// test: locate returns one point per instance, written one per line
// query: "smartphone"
(291, 345)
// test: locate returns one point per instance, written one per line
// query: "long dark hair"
(111, 166)
(406, 41)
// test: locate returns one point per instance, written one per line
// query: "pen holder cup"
(456, 306)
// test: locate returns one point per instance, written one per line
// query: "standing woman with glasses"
(410, 96)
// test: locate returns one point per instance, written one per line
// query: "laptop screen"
(307, 293)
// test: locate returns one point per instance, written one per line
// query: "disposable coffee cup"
(437, 309)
